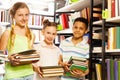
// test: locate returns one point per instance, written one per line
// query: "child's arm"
(64, 64)
(4, 40)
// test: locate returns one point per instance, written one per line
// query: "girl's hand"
(14, 60)
(37, 69)
(65, 65)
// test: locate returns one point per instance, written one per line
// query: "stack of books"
(48, 71)
(76, 63)
(25, 57)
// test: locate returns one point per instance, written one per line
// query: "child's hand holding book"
(13, 60)
(37, 69)
(78, 67)
(78, 72)
(23, 58)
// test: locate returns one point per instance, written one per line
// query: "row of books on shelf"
(113, 38)
(113, 32)
(34, 19)
(66, 19)
(4, 17)
(112, 69)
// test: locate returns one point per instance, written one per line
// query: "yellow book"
(98, 71)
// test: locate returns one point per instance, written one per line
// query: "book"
(52, 74)
(108, 68)
(30, 51)
(98, 71)
(118, 69)
(64, 20)
(74, 66)
(52, 71)
(77, 59)
(115, 69)
(111, 69)
(51, 68)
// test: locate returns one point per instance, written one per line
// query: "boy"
(77, 45)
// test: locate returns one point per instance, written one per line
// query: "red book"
(64, 21)
(113, 8)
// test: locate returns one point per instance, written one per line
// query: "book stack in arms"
(52, 71)
(25, 57)
(77, 63)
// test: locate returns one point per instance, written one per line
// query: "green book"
(111, 69)
(118, 37)
(118, 69)
(74, 1)
(74, 67)
(78, 59)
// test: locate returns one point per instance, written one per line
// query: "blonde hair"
(13, 10)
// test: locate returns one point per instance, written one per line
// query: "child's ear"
(42, 32)
(86, 31)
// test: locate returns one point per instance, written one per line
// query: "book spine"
(115, 70)
(108, 68)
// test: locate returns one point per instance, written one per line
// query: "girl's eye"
(20, 15)
(48, 32)
(27, 14)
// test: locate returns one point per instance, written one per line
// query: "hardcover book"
(52, 71)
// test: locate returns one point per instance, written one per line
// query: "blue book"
(108, 68)
(115, 70)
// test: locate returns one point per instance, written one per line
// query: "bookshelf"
(102, 52)
(75, 7)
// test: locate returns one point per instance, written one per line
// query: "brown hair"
(13, 10)
(47, 23)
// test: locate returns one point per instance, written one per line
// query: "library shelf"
(81, 4)
(109, 20)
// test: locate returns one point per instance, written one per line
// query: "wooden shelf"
(114, 19)
(66, 31)
(3, 7)
(107, 51)
(81, 4)
(35, 27)
(44, 13)
(4, 23)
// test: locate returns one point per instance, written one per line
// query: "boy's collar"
(82, 42)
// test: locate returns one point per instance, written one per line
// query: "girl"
(18, 38)
(50, 54)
